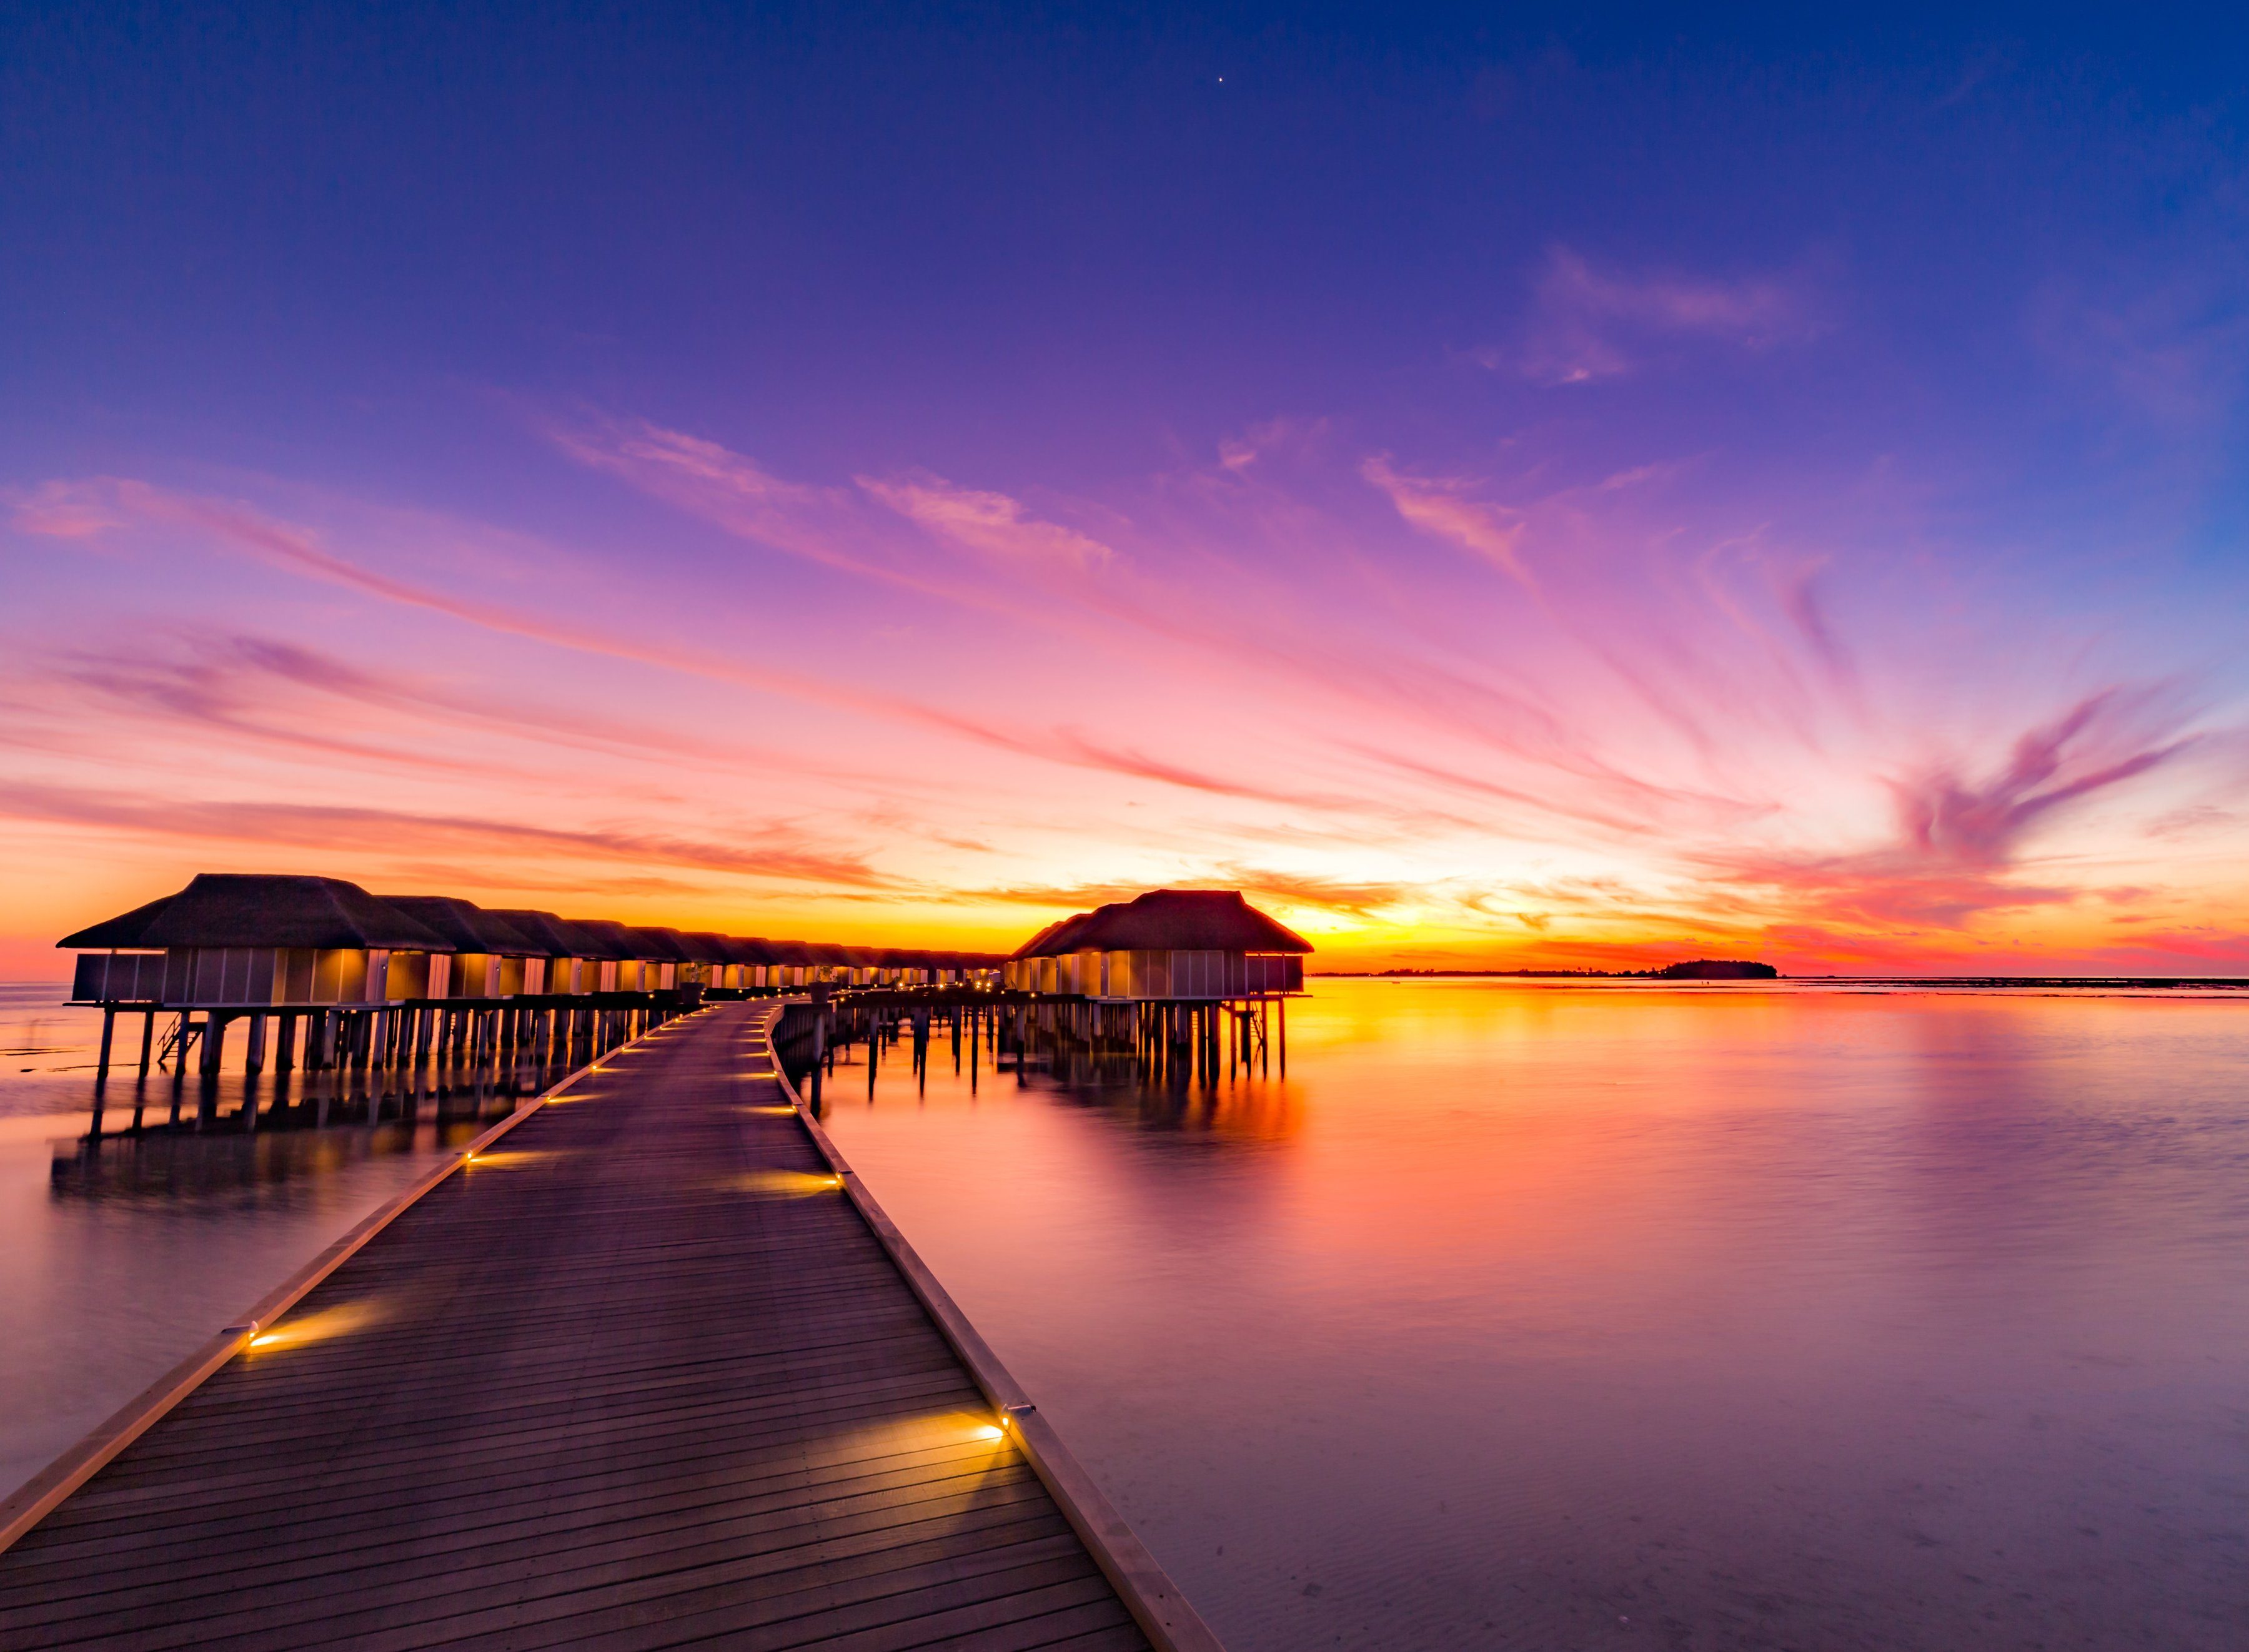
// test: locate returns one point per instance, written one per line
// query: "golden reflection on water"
(1527, 1316)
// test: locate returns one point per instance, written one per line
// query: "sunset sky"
(1502, 493)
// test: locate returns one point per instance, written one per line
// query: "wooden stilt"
(101, 1062)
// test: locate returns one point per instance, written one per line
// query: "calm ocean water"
(120, 1261)
(1547, 1316)
(1570, 1316)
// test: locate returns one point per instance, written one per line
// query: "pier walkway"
(639, 1376)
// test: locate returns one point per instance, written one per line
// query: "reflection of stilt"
(819, 1058)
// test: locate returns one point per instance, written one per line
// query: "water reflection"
(1533, 1317)
(244, 1104)
(134, 1231)
(1101, 1070)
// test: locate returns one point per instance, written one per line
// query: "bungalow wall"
(117, 977)
(1157, 974)
(1199, 975)
(255, 976)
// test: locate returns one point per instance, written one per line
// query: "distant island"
(1694, 969)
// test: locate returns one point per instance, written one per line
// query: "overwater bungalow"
(752, 964)
(492, 959)
(373, 979)
(1168, 945)
(624, 960)
(245, 944)
(572, 958)
(235, 940)
(794, 964)
(668, 950)
(710, 957)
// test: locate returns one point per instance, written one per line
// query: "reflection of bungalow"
(1167, 945)
(233, 940)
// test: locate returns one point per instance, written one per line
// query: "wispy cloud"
(1601, 719)
(1959, 838)
(990, 525)
(763, 851)
(1588, 323)
(1444, 508)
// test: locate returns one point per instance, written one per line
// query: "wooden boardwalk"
(640, 1376)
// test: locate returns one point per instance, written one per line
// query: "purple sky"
(1547, 492)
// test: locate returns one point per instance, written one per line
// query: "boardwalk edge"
(45, 1491)
(1157, 1605)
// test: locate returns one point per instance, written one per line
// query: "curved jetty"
(642, 1372)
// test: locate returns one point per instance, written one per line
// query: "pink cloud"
(988, 523)
(1440, 507)
(1958, 837)
(59, 510)
(756, 850)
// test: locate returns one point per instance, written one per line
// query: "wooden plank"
(645, 1378)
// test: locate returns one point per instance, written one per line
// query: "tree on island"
(1717, 970)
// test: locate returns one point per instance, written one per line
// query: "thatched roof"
(121, 933)
(707, 946)
(665, 946)
(550, 936)
(469, 926)
(231, 909)
(1059, 936)
(610, 939)
(1167, 921)
(257, 910)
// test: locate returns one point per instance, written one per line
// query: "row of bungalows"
(1167, 946)
(253, 943)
